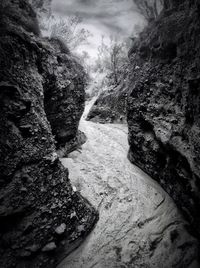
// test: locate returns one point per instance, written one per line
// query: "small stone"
(34, 248)
(51, 157)
(28, 126)
(80, 228)
(49, 247)
(60, 229)
(42, 189)
(54, 157)
(74, 189)
(129, 199)
(73, 215)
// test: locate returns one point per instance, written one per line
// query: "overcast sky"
(100, 17)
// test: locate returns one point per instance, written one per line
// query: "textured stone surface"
(163, 106)
(110, 106)
(64, 92)
(36, 196)
(72, 145)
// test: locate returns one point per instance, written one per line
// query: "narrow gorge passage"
(139, 224)
(70, 193)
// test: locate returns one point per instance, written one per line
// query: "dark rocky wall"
(64, 92)
(41, 217)
(164, 104)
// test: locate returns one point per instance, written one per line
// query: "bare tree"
(115, 58)
(84, 59)
(111, 57)
(68, 30)
(102, 59)
(150, 9)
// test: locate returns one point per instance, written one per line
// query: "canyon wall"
(42, 218)
(164, 104)
(64, 95)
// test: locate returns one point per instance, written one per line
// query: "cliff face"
(64, 92)
(39, 211)
(163, 106)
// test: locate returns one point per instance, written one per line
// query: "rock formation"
(163, 106)
(64, 92)
(110, 106)
(41, 216)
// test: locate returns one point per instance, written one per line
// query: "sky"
(100, 17)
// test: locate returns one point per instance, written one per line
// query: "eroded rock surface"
(110, 106)
(163, 107)
(64, 99)
(41, 217)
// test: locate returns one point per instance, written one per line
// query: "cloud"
(101, 17)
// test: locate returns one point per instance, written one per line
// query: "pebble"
(73, 215)
(74, 189)
(81, 228)
(61, 229)
(49, 247)
(34, 248)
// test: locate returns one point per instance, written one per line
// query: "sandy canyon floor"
(139, 225)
